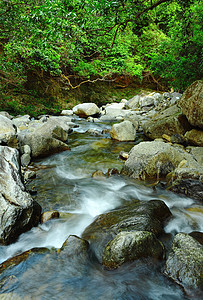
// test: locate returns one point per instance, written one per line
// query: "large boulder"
(129, 246)
(154, 160)
(124, 131)
(86, 109)
(48, 138)
(137, 216)
(191, 103)
(169, 121)
(185, 261)
(7, 132)
(18, 211)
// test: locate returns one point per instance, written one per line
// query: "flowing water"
(64, 183)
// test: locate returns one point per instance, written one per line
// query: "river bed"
(64, 183)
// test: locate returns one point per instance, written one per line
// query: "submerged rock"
(148, 216)
(185, 261)
(191, 103)
(129, 246)
(124, 131)
(18, 211)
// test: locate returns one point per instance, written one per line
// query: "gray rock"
(25, 159)
(185, 261)
(86, 109)
(191, 103)
(169, 121)
(66, 112)
(154, 160)
(175, 97)
(46, 139)
(7, 132)
(197, 153)
(21, 122)
(6, 114)
(146, 101)
(18, 211)
(124, 131)
(26, 149)
(133, 103)
(129, 246)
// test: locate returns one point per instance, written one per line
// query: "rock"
(112, 171)
(192, 188)
(18, 211)
(98, 174)
(68, 112)
(86, 109)
(197, 153)
(191, 103)
(154, 160)
(7, 132)
(170, 121)
(49, 215)
(6, 114)
(133, 103)
(29, 175)
(115, 110)
(146, 101)
(175, 97)
(46, 139)
(198, 236)
(185, 261)
(75, 247)
(124, 131)
(25, 159)
(123, 155)
(129, 246)
(137, 216)
(26, 149)
(194, 137)
(21, 122)
(95, 132)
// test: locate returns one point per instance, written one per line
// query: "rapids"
(64, 183)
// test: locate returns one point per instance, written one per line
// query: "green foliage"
(102, 38)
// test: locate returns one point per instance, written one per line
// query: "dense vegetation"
(64, 43)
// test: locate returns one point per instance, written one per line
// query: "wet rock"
(194, 137)
(75, 247)
(7, 132)
(112, 172)
(169, 121)
(29, 175)
(124, 155)
(18, 211)
(94, 132)
(191, 103)
(197, 236)
(184, 263)
(124, 131)
(129, 246)
(49, 215)
(192, 188)
(153, 160)
(86, 109)
(138, 216)
(25, 159)
(178, 139)
(98, 174)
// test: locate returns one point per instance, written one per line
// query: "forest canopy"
(97, 39)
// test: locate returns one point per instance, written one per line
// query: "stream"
(64, 183)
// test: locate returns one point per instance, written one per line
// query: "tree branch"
(85, 81)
